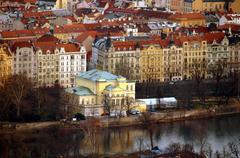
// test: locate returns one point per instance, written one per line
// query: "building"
(151, 62)
(204, 5)
(118, 57)
(6, 22)
(176, 5)
(94, 88)
(188, 19)
(24, 59)
(5, 63)
(72, 61)
(61, 4)
(47, 61)
(195, 56)
(173, 60)
(234, 6)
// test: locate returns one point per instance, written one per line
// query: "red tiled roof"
(74, 28)
(37, 14)
(46, 46)
(234, 27)
(82, 37)
(217, 36)
(48, 38)
(30, 1)
(70, 18)
(183, 16)
(68, 47)
(8, 34)
(21, 44)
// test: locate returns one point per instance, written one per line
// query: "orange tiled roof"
(183, 16)
(217, 36)
(20, 44)
(46, 46)
(48, 38)
(68, 47)
(234, 27)
(37, 14)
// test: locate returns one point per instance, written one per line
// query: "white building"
(72, 61)
(24, 59)
(6, 22)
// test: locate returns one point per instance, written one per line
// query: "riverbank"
(172, 116)
(132, 120)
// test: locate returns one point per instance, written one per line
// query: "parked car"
(116, 113)
(156, 150)
(134, 111)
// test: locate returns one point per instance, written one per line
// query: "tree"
(18, 86)
(198, 71)
(234, 149)
(128, 102)
(90, 129)
(147, 120)
(217, 70)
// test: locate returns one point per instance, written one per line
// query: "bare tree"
(198, 71)
(90, 129)
(217, 70)
(147, 120)
(234, 149)
(18, 86)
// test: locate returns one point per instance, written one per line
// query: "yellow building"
(61, 4)
(235, 6)
(5, 63)
(95, 87)
(188, 19)
(203, 5)
(195, 55)
(151, 62)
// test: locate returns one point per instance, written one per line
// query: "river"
(52, 142)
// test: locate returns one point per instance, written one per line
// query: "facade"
(47, 60)
(176, 5)
(173, 61)
(234, 6)
(203, 5)
(117, 57)
(24, 60)
(195, 56)
(94, 88)
(5, 63)
(61, 4)
(151, 62)
(72, 61)
(6, 22)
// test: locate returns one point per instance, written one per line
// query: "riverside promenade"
(132, 120)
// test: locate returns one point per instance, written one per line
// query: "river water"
(217, 131)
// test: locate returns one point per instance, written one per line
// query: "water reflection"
(53, 142)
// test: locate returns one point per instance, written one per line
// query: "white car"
(134, 112)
